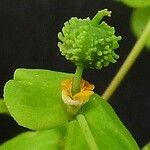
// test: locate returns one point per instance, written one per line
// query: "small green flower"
(90, 43)
(34, 96)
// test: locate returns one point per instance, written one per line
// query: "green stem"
(133, 55)
(87, 132)
(3, 108)
(77, 79)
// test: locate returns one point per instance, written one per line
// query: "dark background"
(28, 39)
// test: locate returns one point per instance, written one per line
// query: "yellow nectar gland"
(80, 98)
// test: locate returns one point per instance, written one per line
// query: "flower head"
(89, 42)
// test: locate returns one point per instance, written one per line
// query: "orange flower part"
(80, 98)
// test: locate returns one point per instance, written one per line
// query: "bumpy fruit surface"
(90, 43)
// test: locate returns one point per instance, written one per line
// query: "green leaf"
(75, 139)
(99, 129)
(108, 131)
(35, 140)
(136, 3)
(139, 20)
(3, 108)
(41, 75)
(146, 147)
(33, 98)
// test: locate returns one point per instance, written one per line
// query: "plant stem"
(133, 55)
(77, 79)
(87, 132)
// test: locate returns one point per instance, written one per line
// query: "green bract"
(33, 98)
(105, 127)
(139, 20)
(35, 140)
(90, 43)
